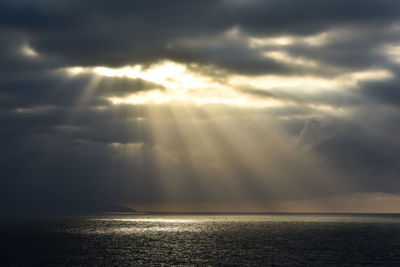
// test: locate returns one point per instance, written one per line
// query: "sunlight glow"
(158, 97)
(182, 85)
(318, 39)
(284, 57)
(160, 220)
(28, 51)
(256, 42)
(392, 52)
(167, 73)
(309, 83)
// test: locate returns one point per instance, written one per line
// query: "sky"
(212, 105)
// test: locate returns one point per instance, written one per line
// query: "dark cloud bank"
(64, 150)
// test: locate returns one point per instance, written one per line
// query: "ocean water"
(255, 240)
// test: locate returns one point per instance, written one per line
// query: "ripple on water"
(181, 240)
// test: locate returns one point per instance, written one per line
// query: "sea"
(114, 239)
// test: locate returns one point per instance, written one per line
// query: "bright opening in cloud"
(185, 86)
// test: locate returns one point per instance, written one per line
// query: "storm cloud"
(197, 102)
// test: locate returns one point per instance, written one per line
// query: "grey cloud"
(65, 146)
(233, 57)
(337, 99)
(365, 154)
(385, 91)
(107, 35)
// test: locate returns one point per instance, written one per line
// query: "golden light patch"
(281, 56)
(166, 73)
(183, 85)
(28, 51)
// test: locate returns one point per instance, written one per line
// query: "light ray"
(238, 152)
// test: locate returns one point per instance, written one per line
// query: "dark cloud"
(350, 146)
(65, 145)
(386, 91)
(337, 99)
(244, 61)
(108, 33)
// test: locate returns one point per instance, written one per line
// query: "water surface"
(269, 239)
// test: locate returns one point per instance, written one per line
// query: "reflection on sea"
(132, 239)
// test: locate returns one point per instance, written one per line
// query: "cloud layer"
(184, 102)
